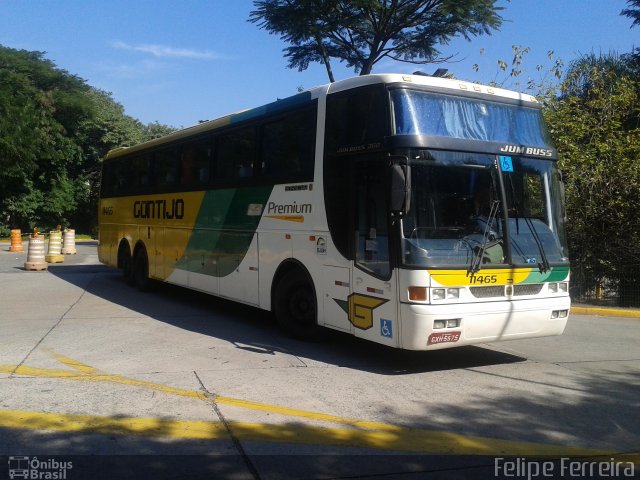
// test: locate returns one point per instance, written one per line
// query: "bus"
(413, 211)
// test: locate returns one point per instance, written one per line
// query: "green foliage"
(513, 73)
(633, 12)
(54, 131)
(595, 123)
(363, 32)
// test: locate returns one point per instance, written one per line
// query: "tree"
(54, 131)
(363, 32)
(633, 12)
(595, 124)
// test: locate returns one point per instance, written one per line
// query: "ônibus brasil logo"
(33, 468)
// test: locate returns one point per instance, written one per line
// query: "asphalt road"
(176, 384)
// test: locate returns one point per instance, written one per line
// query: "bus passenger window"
(236, 154)
(140, 173)
(108, 183)
(288, 146)
(166, 167)
(196, 158)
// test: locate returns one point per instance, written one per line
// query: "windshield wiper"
(479, 255)
(544, 266)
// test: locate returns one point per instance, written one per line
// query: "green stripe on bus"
(223, 230)
(555, 274)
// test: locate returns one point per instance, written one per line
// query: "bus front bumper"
(481, 322)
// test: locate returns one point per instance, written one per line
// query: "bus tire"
(295, 307)
(125, 263)
(140, 271)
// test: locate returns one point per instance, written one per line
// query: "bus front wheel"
(295, 307)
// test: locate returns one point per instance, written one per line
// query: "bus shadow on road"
(253, 330)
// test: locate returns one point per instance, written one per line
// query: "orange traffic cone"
(16, 241)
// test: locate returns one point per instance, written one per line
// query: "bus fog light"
(553, 287)
(453, 323)
(438, 324)
(555, 314)
(563, 287)
(438, 294)
(453, 293)
(563, 313)
(418, 294)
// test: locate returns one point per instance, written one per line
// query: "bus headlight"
(438, 294)
(445, 293)
(453, 293)
(560, 287)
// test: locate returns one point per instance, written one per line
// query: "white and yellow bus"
(417, 212)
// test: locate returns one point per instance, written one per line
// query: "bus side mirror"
(400, 188)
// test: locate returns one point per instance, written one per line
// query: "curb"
(606, 311)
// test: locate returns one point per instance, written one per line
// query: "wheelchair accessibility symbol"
(386, 328)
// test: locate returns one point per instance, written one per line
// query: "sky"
(180, 62)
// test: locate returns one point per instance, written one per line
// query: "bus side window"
(108, 184)
(236, 154)
(140, 174)
(355, 118)
(196, 159)
(372, 233)
(288, 146)
(166, 167)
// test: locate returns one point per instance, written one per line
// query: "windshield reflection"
(457, 215)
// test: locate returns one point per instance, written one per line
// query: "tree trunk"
(325, 59)
(367, 66)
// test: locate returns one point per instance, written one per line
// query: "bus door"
(372, 303)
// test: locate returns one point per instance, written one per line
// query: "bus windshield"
(418, 112)
(457, 211)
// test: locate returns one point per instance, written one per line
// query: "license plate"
(443, 337)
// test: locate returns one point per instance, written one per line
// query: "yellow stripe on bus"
(486, 276)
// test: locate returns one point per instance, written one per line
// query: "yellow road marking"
(111, 425)
(102, 377)
(74, 364)
(405, 440)
(294, 412)
(99, 377)
(606, 311)
(366, 434)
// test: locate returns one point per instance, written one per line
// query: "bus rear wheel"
(295, 307)
(140, 272)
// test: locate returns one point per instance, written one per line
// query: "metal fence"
(599, 287)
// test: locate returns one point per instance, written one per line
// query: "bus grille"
(528, 289)
(484, 292)
(499, 290)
